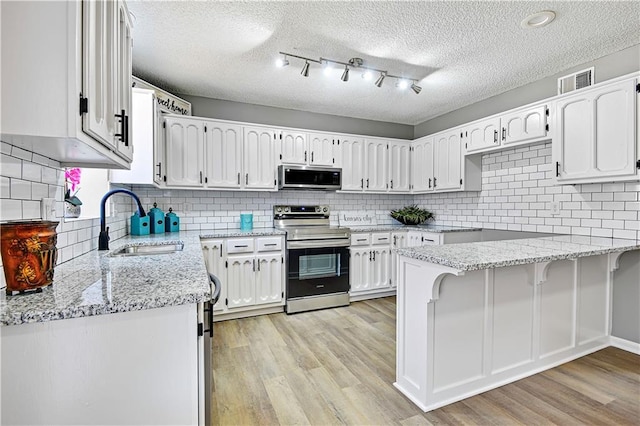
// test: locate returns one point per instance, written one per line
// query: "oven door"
(317, 271)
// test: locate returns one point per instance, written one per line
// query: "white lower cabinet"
(251, 270)
(370, 264)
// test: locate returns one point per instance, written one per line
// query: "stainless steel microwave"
(309, 177)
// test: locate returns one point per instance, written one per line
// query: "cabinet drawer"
(360, 239)
(381, 238)
(240, 245)
(269, 244)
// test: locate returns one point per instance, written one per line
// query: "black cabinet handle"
(200, 177)
(434, 182)
(122, 134)
(220, 250)
(312, 156)
(557, 169)
(159, 166)
(374, 256)
(367, 182)
(244, 246)
(238, 178)
(395, 240)
(305, 156)
(361, 239)
(246, 179)
(495, 136)
(361, 183)
(391, 183)
(126, 130)
(429, 182)
(254, 265)
(370, 255)
(383, 239)
(504, 133)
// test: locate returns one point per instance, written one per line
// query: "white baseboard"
(625, 345)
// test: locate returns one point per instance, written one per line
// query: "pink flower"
(73, 177)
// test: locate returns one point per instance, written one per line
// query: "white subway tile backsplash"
(21, 153)
(31, 172)
(20, 189)
(10, 166)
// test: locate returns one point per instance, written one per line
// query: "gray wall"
(620, 63)
(237, 111)
(626, 298)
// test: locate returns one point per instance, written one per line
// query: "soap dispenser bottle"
(171, 222)
(157, 220)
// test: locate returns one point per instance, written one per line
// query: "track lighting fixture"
(353, 63)
(305, 69)
(345, 74)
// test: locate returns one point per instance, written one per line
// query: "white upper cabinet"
(595, 139)
(483, 134)
(66, 72)
(100, 45)
(260, 153)
(223, 155)
(124, 105)
(422, 158)
(352, 163)
(524, 125)
(323, 149)
(448, 161)
(184, 151)
(516, 127)
(147, 166)
(399, 166)
(376, 165)
(295, 148)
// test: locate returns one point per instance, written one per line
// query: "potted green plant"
(412, 215)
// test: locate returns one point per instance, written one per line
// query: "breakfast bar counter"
(475, 316)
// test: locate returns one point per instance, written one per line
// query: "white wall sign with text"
(356, 218)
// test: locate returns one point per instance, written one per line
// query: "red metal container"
(29, 254)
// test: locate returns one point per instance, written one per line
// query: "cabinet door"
(159, 145)
(422, 159)
(398, 240)
(380, 264)
(259, 158)
(322, 147)
(123, 71)
(352, 164)
(596, 134)
(214, 262)
(184, 150)
(269, 278)
(241, 281)
(524, 125)
(294, 148)
(359, 269)
(483, 135)
(99, 77)
(448, 161)
(376, 165)
(223, 155)
(414, 239)
(399, 166)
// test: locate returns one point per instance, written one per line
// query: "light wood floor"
(337, 366)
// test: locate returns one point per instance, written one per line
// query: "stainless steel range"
(317, 258)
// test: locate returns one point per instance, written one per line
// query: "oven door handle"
(317, 244)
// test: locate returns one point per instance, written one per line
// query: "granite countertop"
(427, 228)
(495, 254)
(97, 283)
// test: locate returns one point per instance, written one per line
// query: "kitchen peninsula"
(475, 316)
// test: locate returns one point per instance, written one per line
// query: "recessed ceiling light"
(539, 19)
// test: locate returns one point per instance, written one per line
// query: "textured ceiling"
(462, 51)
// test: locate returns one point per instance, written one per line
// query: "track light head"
(305, 69)
(345, 74)
(282, 62)
(380, 79)
(416, 88)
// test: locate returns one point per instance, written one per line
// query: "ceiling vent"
(576, 81)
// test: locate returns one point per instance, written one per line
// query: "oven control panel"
(300, 211)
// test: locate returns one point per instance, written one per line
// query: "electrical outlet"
(48, 208)
(554, 207)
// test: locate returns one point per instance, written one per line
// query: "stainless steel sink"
(150, 249)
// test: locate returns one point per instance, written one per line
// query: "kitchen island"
(114, 339)
(475, 316)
